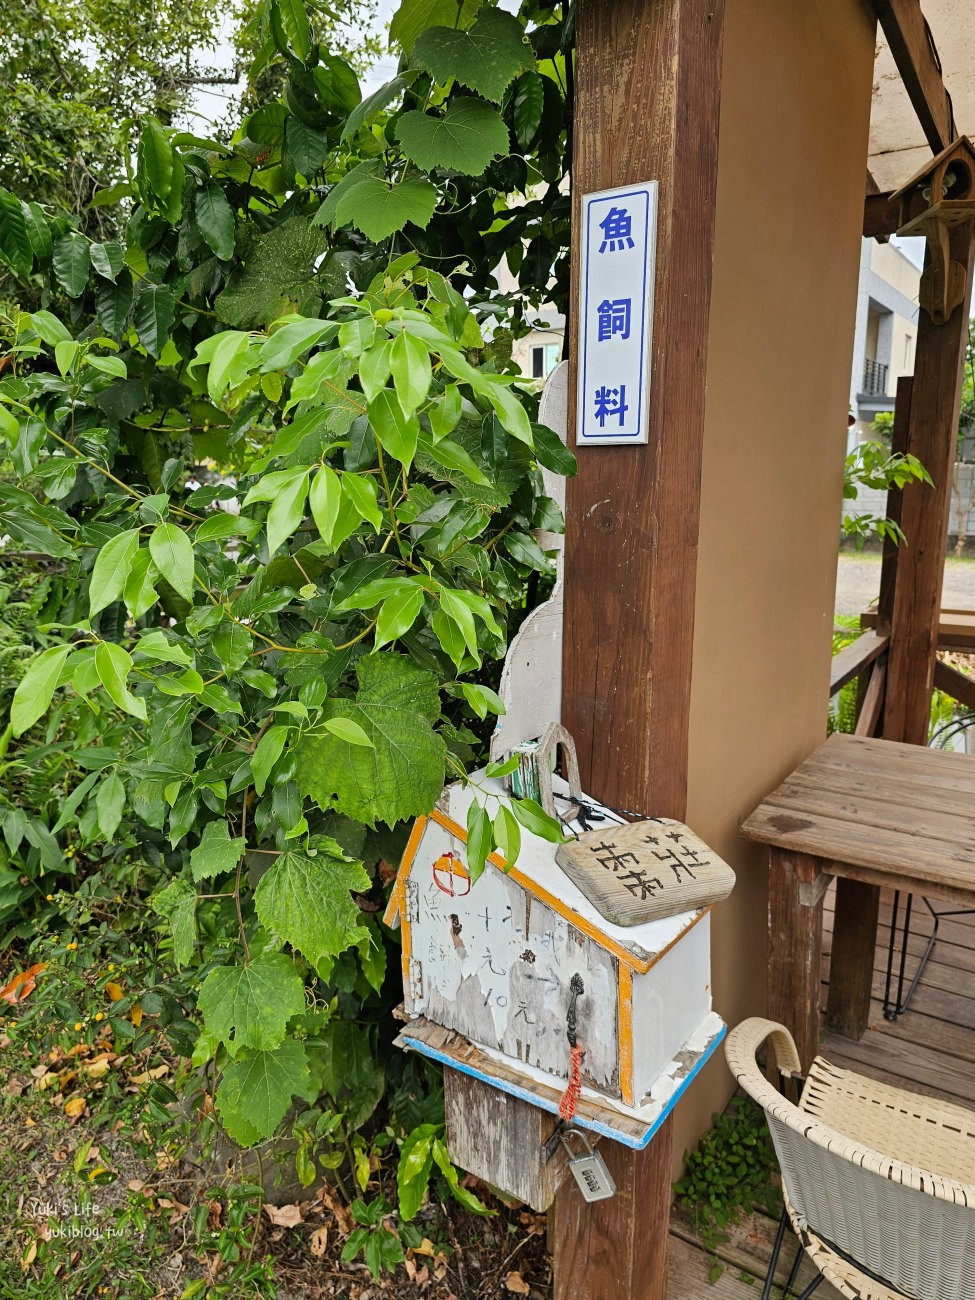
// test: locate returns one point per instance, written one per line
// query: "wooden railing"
(865, 660)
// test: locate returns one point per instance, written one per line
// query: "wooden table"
(873, 813)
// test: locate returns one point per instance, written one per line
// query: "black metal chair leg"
(776, 1250)
(897, 1006)
(811, 1287)
(794, 1271)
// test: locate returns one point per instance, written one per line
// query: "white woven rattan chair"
(879, 1183)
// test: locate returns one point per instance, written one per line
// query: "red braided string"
(567, 1106)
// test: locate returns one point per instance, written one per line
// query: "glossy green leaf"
(398, 614)
(113, 664)
(36, 688)
(325, 500)
(453, 456)
(287, 511)
(15, 245)
(377, 101)
(528, 102)
(110, 804)
(113, 564)
(480, 840)
(411, 370)
(465, 139)
(306, 147)
(172, 554)
(397, 433)
(348, 731)
(552, 452)
(139, 592)
(266, 754)
(113, 302)
(71, 263)
(107, 259)
(294, 20)
(286, 344)
(360, 490)
(215, 219)
(507, 834)
(49, 328)
(413, 1171)
(155, 160)
(534, 818)
(155, 310)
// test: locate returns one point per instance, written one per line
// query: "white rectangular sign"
(615, 314)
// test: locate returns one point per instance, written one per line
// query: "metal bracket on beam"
(812, 892)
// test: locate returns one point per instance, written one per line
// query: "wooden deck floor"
(930, 1049)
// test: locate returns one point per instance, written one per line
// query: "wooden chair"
(877, 1225)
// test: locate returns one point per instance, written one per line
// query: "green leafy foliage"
(732, 1171)
(266, 430)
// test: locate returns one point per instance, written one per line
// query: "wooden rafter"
(914, 52)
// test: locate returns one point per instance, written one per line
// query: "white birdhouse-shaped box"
(501, 975)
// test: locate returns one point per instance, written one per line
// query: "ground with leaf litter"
(92, 1197)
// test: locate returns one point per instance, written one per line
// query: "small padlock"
(588, 1169)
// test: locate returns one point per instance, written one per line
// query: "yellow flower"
(78, 1026)
(50, 898)
(71, 947)
(99, 1015)
(111, 965)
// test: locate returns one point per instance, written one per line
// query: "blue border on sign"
(526, 1094)
(590, 204)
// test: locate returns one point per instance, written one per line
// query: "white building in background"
(886, 332)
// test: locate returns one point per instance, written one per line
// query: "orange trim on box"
(625, 1028)
(397, 899)
(587, 927)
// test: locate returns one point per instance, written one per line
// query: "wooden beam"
(850, 978)
(931, 436)
(647, 102)
(794, 971)
(872, 704)
(853, 658)
(912, 46)
(592, 1244)
(959, 686)
(880, 217)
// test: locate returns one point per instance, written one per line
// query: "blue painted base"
(527, 1093)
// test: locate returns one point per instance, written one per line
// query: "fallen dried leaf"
(319, 1242)
(114, 991)
(15, 1086)
(28, 1257)
(516, 1284)
(75, 1107)
(284, 1216)
(426, 1247)
(18, 988)
(135, 1015)
(342, 1216)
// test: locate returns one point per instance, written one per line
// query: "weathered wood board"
(645, 870)
(501, 1139)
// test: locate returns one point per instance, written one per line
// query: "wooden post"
(931, 436)
(850, 976)
(795, 912)
(647, 103)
